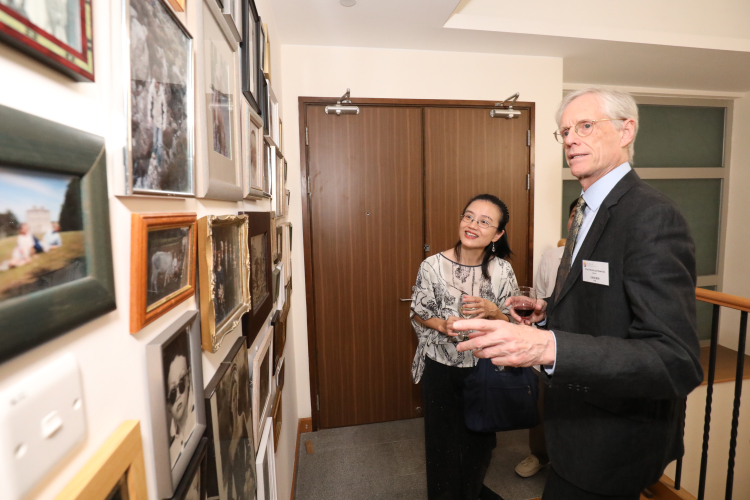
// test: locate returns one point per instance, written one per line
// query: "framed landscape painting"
(175, 385)
(55, 246)
(58, 33)
(162, 264)
(160, 101)
(259, 244)
(230, 427)
(224, 267)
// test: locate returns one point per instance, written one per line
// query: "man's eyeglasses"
(582, 128)
(181, 385)
(484, 224)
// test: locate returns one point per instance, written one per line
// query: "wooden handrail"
(723, 299)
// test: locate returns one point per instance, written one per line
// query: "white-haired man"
(620, 350)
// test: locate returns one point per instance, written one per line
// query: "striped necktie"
(570, 244)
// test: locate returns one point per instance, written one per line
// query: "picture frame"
(276, 283)
(117, 467)
(224, 269)
(162, 264)
(68, 47)
(268, 159)
(279, 185)
(279, 339)
(280, 373)
(274, 250)
(262, 383)
(259, 246)
(59, 151)
(229, 415)
(175, 387)
(233, 11)
(253, 166)
(267, 57)
(251, 55)
(286, 250)
(267, 110)
(276, 416)
(177, 5)
(159, 156)
(218, 120)
(193, 483)
(274, 117)
(265, 464)
(281, 141)
(279, 241)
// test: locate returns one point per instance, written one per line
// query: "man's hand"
(506, 344)
(539, 314)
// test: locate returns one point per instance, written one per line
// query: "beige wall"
(328, 71)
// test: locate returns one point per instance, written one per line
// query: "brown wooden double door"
(383, 184)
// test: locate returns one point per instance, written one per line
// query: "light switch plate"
(41, 421)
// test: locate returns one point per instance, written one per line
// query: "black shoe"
(488, 494)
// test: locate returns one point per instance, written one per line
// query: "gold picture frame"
(117, 464)
(223, 258)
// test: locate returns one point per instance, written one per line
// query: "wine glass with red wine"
(525, 306)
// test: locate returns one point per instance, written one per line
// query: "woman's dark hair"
(502, 248)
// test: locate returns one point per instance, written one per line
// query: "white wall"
(328, 71)
(112, 362)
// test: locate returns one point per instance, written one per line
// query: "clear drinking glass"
(524, 307)
(462, 336)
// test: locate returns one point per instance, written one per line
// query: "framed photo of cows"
(162, 264)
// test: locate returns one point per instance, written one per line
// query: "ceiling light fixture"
(348, 3)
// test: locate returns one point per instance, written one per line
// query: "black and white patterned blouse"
(437, 294)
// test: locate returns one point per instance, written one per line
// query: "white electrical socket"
(41, 421)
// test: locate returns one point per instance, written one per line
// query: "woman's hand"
(481, 308)
(448, 326)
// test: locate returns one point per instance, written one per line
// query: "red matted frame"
(20, 32)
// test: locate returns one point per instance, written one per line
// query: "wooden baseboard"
(304, 425)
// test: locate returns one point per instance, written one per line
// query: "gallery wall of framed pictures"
(141, 241)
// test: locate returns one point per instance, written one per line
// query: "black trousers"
(558, 488)
(457, 458)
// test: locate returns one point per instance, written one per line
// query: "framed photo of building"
(219, 177)
(193, 483)
(59, 34)
(162, 264)
(230, 428)
(259, 244)
(265, 465)
(115, 471)
(175, 383)
(55, 257)
(254, 170)
(160, 102)
(262, 383)
(224, 267)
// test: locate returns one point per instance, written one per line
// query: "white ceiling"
(692, 44)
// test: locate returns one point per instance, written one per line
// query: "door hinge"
(528, 137)
(318, 402)
(528, 181)
(427, 248)
(307, 138)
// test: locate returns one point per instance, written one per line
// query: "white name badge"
(596, 272)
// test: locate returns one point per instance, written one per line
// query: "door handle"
(405, 300)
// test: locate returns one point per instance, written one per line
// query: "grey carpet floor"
(386, 462)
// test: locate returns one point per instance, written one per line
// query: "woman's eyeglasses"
(484, 223)
(181, 385)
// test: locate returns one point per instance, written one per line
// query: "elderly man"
(620, 350)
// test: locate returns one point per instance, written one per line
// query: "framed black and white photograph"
(230, 427)
(55, 248)
(259, 243)
(251, 29)
(160, 102)
(175, 383)
(262, 380)
(265, 465)
(58, 33)
(193, 483)
(252, 154)
(219, 175)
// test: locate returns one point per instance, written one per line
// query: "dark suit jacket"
(627, 353)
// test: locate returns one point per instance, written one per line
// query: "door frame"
(305, 193)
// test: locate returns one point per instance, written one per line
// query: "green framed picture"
(55, 248)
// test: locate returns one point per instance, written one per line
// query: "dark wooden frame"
(140, 316)
(250, 10)
(279, 338)
(33, 143)
(197, 465)
(303, 103)
(77, 65)
(253, 320)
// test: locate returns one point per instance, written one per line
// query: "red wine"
(524, 311)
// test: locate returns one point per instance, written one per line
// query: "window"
(682, 150)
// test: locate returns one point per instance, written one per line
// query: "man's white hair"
(614, 104)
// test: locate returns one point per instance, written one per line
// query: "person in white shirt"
(544, 282)
(52, 238)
